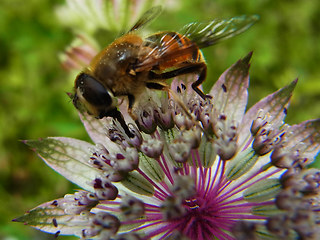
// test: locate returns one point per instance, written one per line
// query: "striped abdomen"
(171, 50)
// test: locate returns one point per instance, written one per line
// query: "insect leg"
(131, 100)
(116, 114)
(165, 87)
(157, 86)
(201, 78)
(199, 67)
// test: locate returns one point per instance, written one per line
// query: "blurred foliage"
(286, 45)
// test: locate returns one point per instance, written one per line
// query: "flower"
(216, 172)
(95, 16)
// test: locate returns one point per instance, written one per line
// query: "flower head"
(218, 172)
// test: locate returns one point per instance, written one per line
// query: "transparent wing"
(192, 36)
(205, 34)
(164, 47)
(147, 17)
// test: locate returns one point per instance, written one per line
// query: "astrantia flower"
(92, 16)
(224, 173)
(96, 22)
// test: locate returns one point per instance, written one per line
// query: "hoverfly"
(131, 63)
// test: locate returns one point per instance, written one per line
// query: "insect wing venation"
(205, 34)
(167, 45)
(147, 17)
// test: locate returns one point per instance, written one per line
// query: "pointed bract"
(230, 91)
(51, 217)
(69, 157)
(275, 105)
(93, 127)
(306, 134)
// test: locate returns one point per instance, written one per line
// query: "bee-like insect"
(131, 63)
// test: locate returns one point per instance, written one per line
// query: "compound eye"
(93, 91)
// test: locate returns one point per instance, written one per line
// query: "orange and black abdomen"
(173, 50)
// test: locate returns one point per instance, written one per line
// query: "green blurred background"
(286, 45)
